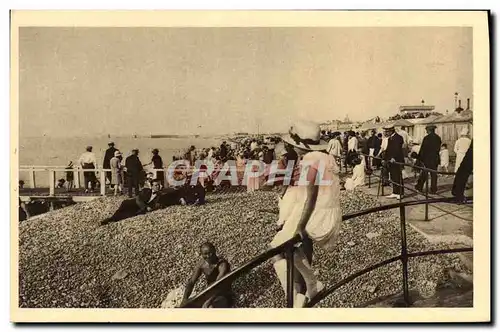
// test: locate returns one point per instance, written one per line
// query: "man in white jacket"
(335, 147)
(461, 147)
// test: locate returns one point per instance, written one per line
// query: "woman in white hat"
(116, 172)
(310, 209)
(461, 147)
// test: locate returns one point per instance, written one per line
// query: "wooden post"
(32, 179)
(52, 180)
(76, 177)
(103, 182)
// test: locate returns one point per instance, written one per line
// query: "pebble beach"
(66, 260)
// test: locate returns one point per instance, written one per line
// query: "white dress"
(358, 177)
(444, 158)
(325, 221)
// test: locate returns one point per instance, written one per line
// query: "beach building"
(416, 110)
(448, 126)
(330, 125)
(398, 124)
(419, 127)
(337, 125)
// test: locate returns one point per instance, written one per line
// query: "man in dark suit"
(394, 153)
(147, 200)
(134, 171)
(429, 156)
(464, 171)
(110, 153)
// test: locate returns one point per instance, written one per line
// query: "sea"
(59, 151)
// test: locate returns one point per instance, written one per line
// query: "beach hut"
(419, 127)
(400, 123)
(448, 127)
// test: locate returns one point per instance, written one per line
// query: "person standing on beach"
(462, 175)
(157, 163)
(371, 148)
(88, 161)
(190, 155)
(461, 147)
(377, 143)
(309, 208)
(110, 153)
(394, 153)
(335, 147)
(429, 156)
(116, 172)
(352, 147)
(69, 176)
(363, 146)
(223, 152)
(134, 169)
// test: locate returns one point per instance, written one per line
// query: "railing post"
(32, 178)
(404, 250)
(382, 178)
(289, 276)
(426, 196)
(103, 182)
(76, 176)
(52, 180)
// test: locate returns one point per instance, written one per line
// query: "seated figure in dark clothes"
(192, 194)
(214, 268)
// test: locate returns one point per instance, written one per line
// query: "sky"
(124, 81)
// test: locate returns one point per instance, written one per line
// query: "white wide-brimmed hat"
(117, 153)
(305, 135)
(388, 127)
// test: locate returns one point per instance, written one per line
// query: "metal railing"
(380, 189)
(288, 247)
(77, 171)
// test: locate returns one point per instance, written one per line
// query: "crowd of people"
(311, 211)
(362, 152)
(388, 150)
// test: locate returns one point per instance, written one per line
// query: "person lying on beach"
(147, 200)
(213, 268)
(150, 199)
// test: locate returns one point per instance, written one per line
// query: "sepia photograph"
(202, 164)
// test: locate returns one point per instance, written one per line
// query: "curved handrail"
(452, 200)
(259, 259)
(409, 165)
(323, 294)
